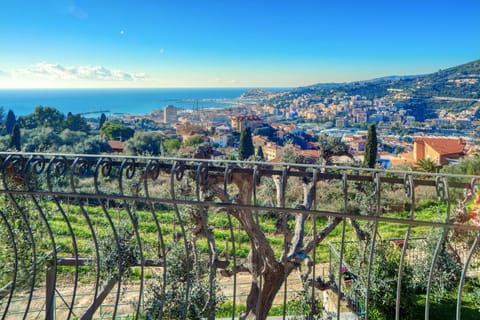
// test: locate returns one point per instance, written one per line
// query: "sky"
(229, 43)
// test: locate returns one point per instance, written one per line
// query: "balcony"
(94, 237)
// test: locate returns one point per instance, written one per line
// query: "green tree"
(171, 145)
(15, 139)
(76, 122)
(102, 120)
(290, 155)
(167, 298)
(145, 143)
(92, 145)
(371, 145)
(260, 154)
(427, 165)
(116, 131)
(246, 148)
(48, 117)
(330, 146)
(41, 140)
(194, 140)
(10, 122)
(266, 131)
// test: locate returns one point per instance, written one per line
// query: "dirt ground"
(130, 295)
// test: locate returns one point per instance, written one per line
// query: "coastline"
(126, 101)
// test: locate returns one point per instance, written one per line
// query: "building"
(272, 151)
(241, 122)
(170, 114)
(439, 150)
(116, 146)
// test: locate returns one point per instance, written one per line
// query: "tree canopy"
(145, 143)
(371, 145)
(15, 140)
(116, 131)
(10, 122)
(245, 148)
(332, 146)
(76, 122)
(194, 140)
(45, 117)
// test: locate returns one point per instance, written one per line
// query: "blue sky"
(191, 43)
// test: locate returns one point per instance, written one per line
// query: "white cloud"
(54, 71)
(3, 73)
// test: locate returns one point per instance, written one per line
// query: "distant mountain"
(457, 82)
(391, 78)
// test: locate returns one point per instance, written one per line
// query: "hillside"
(457, 82)
(453, 90)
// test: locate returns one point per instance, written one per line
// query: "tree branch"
(362, 235)
(322, 234)
(236, 269)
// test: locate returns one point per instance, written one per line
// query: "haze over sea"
(132, 101)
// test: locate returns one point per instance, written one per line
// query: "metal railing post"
(50, 292)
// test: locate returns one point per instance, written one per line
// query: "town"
(278, 121)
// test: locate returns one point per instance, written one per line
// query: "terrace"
(94, 237)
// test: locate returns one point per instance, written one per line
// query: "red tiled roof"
(116, 145)
(444, 145)
(310, 153)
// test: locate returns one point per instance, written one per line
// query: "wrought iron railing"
(93, 236)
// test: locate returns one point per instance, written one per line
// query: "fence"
(89, 237)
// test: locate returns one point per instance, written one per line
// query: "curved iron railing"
(92, 236)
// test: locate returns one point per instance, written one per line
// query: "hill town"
(411, 124)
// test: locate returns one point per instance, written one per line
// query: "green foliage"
(246, 148)
(427, 165)
(465, 166)
(117, 260)
(102, 120)
(10, 122)
(371, 145)
(169, 301)
(15, 139)
(116, 131)
(260, 154)
(302, 304)
(290, 155)
(91, 145)
(446, 271)
(383, 285)
(330, 146)
(47, 140)
(192, 141)
(41, 140)
(27, 228)
(76, 122)
(43, 117)
(145, 143)
(266, 131)
(171, 145)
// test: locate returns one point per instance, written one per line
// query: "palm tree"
(427, 165)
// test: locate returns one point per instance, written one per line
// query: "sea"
(90, 102)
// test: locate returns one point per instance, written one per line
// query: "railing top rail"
(240, 162)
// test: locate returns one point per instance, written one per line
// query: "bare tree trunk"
(268, 273)
(272, 281)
